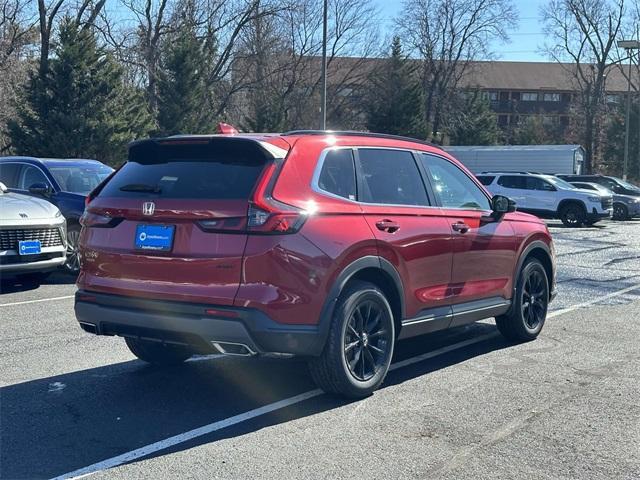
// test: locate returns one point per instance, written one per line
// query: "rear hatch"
(171, 223)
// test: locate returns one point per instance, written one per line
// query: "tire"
(524, 321)
(572, 215)
(359, 347)
(157, 353)
(72, 264)
(620, 211)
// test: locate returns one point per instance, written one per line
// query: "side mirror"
(3, 188)
(40, 189)
(501, 205)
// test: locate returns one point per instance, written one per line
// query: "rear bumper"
(190, 324)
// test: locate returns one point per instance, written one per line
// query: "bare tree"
(17, 33)
(446, 35)
(281, 58)
(85, 13)
(582, 36)
(218, 23)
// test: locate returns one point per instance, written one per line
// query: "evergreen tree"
(81, 108)
(615, 141)
(182, 90)
(474, 123)
(534, 131)
(394, 103)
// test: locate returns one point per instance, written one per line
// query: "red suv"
(327, 245)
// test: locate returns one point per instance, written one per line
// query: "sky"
(525, 40)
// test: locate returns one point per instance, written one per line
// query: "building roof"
(535, 76)
(501, 75)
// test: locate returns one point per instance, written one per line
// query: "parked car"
(32, 236)
(547, 196)
(65, 183)
(616, 185)
(624, 206)
(329, 246)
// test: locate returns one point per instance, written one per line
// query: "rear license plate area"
(158, 238)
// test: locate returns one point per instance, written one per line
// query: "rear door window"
(513, 181)
(338, 174)
(390, 177)
(221, 170)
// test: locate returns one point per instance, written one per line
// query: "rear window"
(485, 179)
(338, 174)
(222, 169)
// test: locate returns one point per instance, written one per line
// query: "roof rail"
(354, 133)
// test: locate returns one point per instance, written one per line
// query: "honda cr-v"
(329, 246)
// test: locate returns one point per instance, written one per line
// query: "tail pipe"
(230, 348)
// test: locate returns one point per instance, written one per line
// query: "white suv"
(548, 196)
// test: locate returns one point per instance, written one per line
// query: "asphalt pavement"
(458, 404)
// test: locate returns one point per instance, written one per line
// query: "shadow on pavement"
(55, 425)
(18, 283)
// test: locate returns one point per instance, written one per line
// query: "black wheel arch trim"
(569, 201)
(533, 245)
(370, 261)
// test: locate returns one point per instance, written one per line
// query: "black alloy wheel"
(534, 299)
(72, 265)
(366, 341)
(620, 212)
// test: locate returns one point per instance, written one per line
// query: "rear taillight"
(274, 220)
(95, 220)
(265, 216)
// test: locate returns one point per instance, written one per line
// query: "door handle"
(388, 226)
(460, 227)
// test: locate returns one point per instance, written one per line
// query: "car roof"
(52, 161)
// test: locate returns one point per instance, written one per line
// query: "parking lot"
(458, 404)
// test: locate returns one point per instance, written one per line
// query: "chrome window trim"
(316, 176)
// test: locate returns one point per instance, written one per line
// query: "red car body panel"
(291, 277)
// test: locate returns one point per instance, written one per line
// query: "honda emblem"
(148, 208)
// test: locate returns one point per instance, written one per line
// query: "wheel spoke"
(376, 349)
(351, 346)
(382, 331)
(372, 362)
(353, 330)
(376, 320)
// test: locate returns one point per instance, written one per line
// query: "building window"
(493, 96)
(530, 97)
(613, 99)
(551, 97)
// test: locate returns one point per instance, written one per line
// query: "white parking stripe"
(593, 301)
(36, 301)
(287, 402)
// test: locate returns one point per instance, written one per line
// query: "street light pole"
(323, 106)
(629, 46)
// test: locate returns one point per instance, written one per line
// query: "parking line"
(287, 402)
(36, 301)
(593, 301)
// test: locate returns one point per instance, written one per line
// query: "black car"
(64, 182)
(616, 185)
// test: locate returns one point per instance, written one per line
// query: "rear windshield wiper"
(141, 187)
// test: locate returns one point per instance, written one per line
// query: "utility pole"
(323, 106)
(629, 46)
